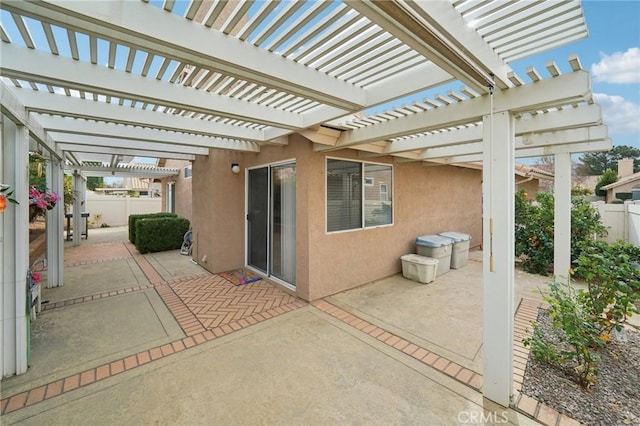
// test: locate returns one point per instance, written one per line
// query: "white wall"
(115, 210)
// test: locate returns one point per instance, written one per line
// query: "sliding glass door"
(271, 244)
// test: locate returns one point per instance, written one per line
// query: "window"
(353, 201)
(188, 171)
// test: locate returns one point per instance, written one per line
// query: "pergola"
(98, 81)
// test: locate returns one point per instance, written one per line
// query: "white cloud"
(620, 115)
(619, 67)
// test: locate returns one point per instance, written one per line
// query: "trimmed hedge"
(160, 234)
(133, 218)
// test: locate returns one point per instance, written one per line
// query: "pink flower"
(36, 277)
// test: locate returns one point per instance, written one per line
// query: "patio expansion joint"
(522, 403)
(442, 364)
(93, 297)
(95, 374)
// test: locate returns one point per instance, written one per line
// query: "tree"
(94, 182)
(595, 163)
(609, 176)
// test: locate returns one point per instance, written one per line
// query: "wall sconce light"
(235, 168)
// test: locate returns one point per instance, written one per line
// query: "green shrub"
(609, 176)
(534, 230)
(160, 234)
(135, 217)
(612, 273)
(584, 320)
(579, 336)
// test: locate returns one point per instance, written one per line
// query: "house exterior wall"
(531, 187)
(183, 188)
(426, 200)
(625, 187)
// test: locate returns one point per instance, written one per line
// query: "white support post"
(498, 256)
(14, 249)
(78, 187)
(55, 226)
(562, 216)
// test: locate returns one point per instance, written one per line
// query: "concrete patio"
(134, 339)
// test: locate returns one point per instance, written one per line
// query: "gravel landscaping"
(613, 400)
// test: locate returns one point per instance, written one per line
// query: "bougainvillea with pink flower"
(40, 202)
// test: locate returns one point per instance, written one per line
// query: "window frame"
(363, 226)
(184, 171)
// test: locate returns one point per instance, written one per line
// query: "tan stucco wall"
(183, 188)
(530, 187)
(218, 211)
(426, 200)
(625, 187)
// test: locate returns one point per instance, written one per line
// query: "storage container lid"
(456, 236)
(416, 258)
(433, 241)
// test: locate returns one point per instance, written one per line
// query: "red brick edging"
(110, 369)
(462, 374)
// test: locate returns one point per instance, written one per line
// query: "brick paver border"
(449, 368)
(113, 368)
(197, 334)
(526, 312)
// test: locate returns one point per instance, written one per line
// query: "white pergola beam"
(14, 108)
(594, 146)
(120, 171)
(94, 128)
(562, 90)
(50, 103)
(197, 45)
(545, 140)
(26, 64)
(410, 25)
(102, 142)
(587, 115)
(415, 79)
(125, 151)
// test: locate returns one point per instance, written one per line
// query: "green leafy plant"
(584, 320)
(612, 273)
(135, 217)
(579, 335)
(160, 234)
(534, 230)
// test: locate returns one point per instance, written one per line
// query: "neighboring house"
(627, 181)
(532, 180)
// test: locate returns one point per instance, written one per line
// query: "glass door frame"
(269, 242)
